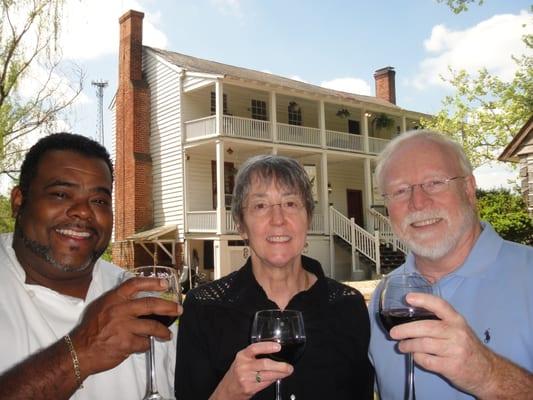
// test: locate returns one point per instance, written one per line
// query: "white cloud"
(228, 7)
(495, 175)
(489, 44)
(350, 85)
(91, 29)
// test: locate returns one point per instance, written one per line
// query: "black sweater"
(216, 325)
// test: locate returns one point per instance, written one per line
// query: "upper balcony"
(248, 128)
(248, 113)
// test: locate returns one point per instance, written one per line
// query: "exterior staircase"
(372, 254)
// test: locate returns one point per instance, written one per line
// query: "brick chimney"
(133, 163)
(386, 84)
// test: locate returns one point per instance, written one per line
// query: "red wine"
(166, 320)
(291, 350)
(397, 316)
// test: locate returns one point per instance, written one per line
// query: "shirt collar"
(482, 254)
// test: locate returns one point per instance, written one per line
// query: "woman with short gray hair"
(272, 208)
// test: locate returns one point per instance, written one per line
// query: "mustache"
(416, 216)
(77, 225)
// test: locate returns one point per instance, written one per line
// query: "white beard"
(443, 245)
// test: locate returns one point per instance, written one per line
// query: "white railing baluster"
(357, 237)
(382, 224)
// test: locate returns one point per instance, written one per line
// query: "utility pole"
(100, 85)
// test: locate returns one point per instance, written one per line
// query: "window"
(214, 104)
(294, 113)
(259, 110)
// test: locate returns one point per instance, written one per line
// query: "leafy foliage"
(458, 6)
(506, 212)
(7, 222)
(30, 56)
(485, 112)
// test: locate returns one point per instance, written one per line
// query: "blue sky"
(333, 43)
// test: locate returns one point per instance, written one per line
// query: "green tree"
(506, 212)
(7, 222)
(485, 112)
(458, 6)
(29, 52)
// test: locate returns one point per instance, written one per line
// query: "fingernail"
(163, 283)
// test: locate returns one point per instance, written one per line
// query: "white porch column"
(364, 119)
(219, 106)
(322, 123)
(221, 258)
(367, 193)
(273, 116)
(324, 188)
(403, 124)
(221, 206)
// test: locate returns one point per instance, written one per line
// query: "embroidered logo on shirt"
(487, 336)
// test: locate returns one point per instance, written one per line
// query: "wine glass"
(285, 327)
(171, 293)
(394, 310)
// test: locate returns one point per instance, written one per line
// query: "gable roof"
(510, 153)
(199, 65)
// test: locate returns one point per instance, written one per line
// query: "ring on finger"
(258, 377)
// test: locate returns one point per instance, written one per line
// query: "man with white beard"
(482, 344)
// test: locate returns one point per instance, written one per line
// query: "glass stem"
(278, 389)
(151, 387)
(410, 389)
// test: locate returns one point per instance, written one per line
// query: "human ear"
(16, 201)
(470, 183)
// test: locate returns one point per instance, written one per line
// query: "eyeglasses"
(262, 208)
(431, 188)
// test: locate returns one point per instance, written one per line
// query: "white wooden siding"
(200, 193)
(165, 144)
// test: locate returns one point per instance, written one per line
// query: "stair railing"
(360, 240)
(383, 225)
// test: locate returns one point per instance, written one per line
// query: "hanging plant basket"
(342, 113)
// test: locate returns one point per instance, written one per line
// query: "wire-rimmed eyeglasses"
(262, 208)
(432, 187)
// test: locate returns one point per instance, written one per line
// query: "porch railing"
(302, 135)
(255, 129)
(246, 128)
(202, 221)
(382, 224)
(199, 128)
(344, 141)
(206, 221)
(357, 237)
(376, 145)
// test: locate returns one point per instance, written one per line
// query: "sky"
(335, 43)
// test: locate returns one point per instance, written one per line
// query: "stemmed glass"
(394, 310)
(285, 327)
(171, 293)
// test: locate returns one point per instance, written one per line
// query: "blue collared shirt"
(493, 290)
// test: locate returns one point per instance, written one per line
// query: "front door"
(355, 205)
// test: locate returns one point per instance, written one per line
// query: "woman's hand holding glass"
(249, 373)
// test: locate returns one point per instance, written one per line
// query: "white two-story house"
(183, 127)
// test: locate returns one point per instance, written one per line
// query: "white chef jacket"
(33, 317)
